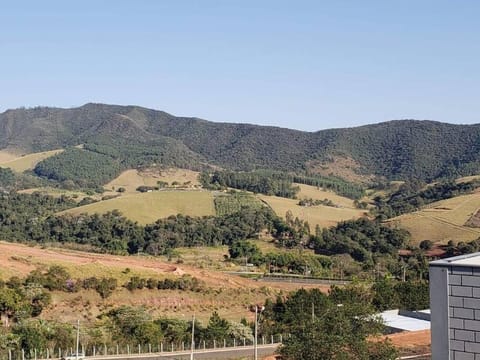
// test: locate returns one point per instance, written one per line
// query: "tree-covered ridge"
(276, 183)
(78, 167)
(404, 149)
(412, 196)
(268, 183)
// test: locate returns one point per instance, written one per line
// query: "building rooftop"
(462, 260)
(395, 320)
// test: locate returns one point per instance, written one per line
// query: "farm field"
(131, 179)
(324, 216)
(57, 192)
(443, 220)
(148, 207)
(230, 295)
(307, 191)
(27, 162)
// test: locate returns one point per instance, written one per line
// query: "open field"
(307, 191)
(443, 220)
(28, 162)
(57, 192)
(6, 155)
(230, 295)
(131, 179)
(324, 216)
(150, 206)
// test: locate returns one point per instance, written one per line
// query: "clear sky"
(307, 65)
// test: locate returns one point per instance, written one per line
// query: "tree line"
(413, 195)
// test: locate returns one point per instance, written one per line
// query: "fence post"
(23, 354)
(94, 350)
(263, 340)
(161, 347)
(243, 341)
(117, 349)
(128, 349)
(83, 350)
(214, 344)
(203, 344)
(183, 345)
(139, 349)
(172, 346)
(280, 338)
(48, 354)
(9, 354)
(272, 339)
(59, 353)
(234, 342)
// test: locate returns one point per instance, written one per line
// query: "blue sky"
(308, 65)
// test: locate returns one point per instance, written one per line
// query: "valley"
(148, 219)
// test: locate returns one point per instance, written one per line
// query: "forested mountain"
(137, 136)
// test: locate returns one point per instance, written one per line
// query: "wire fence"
(129, 350)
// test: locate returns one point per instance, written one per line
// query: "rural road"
(229, 353)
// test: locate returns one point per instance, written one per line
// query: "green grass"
(231, 203)
(146, 208)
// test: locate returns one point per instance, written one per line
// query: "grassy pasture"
(231, 203)
(324, 216)
(443, 220)
(28, 162)
(131, 179)
(57, 192)
(307, 191)
(148, 207)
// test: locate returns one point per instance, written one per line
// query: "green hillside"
(136, 136)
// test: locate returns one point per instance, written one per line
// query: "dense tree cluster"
(291, 262)
(360, 238)
(340, 325)
(339, 186)
(77, 167)
(184, 283)
(263, 182)
(10, 181)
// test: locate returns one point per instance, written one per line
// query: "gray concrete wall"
(439, 323)
(455, 312)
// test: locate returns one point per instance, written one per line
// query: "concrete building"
(455, 308)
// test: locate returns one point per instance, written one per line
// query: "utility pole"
(78, 339)
(255, 339)
(313, 311)
(193, 337)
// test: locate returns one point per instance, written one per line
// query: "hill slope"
(395, 149)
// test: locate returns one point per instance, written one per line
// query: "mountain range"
(400, 149)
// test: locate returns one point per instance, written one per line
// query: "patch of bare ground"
(229, 295)
(8, 155)
(411, 342)
(339, 166)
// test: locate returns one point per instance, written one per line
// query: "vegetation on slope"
(404, 149)
(411, 196)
